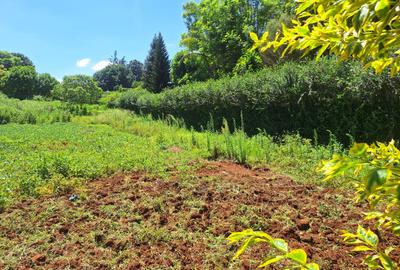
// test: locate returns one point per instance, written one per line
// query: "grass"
(171, 210)
(52, 158)
(290, 154)
(39, 112)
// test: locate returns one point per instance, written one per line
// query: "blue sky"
(56, 34)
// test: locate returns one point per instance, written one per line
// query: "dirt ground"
(133, 221)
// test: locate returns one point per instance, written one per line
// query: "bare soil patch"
(134, 221)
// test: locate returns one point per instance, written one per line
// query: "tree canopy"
(218, 30)
(77, 89)
(119, 73)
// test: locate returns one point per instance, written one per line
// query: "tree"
(19, 82)
(45, 83)
(135, 71)
(25, 61)
(188, 67)
(366, 29)
(77, 89)
(156, 74)
(218, 30)
(112, 76)
(9, 60)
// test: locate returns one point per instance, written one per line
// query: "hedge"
(314, 97)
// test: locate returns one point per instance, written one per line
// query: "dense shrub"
(310, 98)
(77, 89)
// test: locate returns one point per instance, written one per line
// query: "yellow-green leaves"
(375, 171)
(365, 29)
(297, 257)
(367, 241)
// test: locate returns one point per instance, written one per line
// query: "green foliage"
(188, 67)
(45, 84)
(9, 60)
(295, 259)
(368, 241)
(38, 112)
(294, 97)
(112, 76)
(156, 74)
(290, 154)
(250, 61)
(119, 74)
(375, 173)
(217, 31)
(19, 82)
(77, 89)
(365, 30)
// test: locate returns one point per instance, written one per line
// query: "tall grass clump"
(313, 97)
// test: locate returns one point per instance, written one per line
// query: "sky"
(65, 37)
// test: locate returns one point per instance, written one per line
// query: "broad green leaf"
(376, 178)
(280, 244)
(382, 7)
(360, 17)
(386, 262)
(298, 255)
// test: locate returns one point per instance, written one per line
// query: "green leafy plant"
(368, 241)
(295, 259)
(374, 170)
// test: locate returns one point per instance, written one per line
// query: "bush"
(77, 89)
(322, 98)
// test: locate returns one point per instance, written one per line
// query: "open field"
(150, 194)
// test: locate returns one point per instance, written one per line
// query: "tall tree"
(218, 30)
(156, 74)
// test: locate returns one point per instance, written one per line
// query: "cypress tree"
(157, 66)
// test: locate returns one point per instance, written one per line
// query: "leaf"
(361, 248)
(298, 255)
(271, 261)
(312, 266)
(358, 149)
(386, 262)
(280, 244)
(360, 17)
(322, 50)
(246, 244)
(376, 178)
(253, 37)
(382, 7)
(304, 6)
(369, 236)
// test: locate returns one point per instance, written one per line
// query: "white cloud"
(83, 62)
(100, 65)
